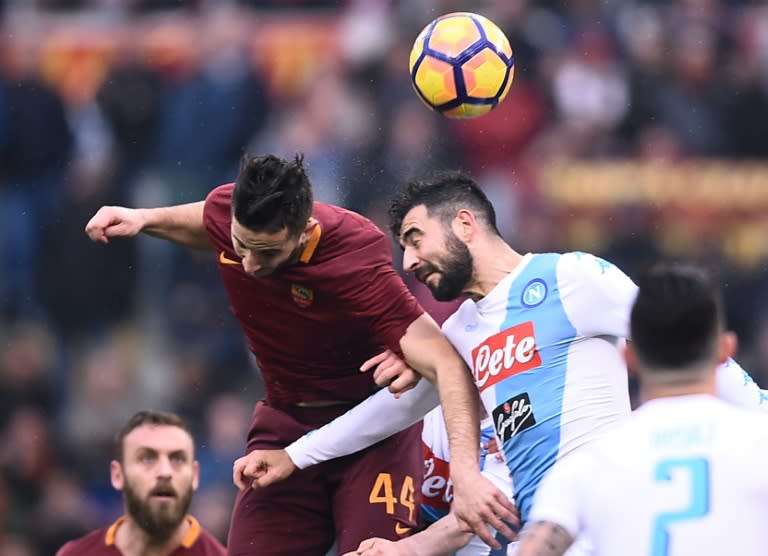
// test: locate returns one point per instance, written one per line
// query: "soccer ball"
(462, 65)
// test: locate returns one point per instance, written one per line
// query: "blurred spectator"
(214, 104)
(27, 362)
(35, 150)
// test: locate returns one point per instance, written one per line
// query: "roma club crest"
(302, 295)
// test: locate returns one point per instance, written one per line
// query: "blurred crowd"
(151, 102)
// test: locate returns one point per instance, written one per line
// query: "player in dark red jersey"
(314, 290)
(155, 468)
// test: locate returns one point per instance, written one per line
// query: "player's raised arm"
(182, 224)
(476, 501)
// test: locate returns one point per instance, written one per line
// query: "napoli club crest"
(302, 295)
(534, 293)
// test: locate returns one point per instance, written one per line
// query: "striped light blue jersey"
(543, 348)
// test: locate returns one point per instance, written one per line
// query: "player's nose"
(250, 265)
(410, 260)
(164, 467)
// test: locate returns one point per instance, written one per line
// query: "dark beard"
(455, 270)
(159, 524)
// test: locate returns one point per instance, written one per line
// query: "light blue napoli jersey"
(684, 475)
(543, 348)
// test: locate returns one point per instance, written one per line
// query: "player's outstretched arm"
(442, 537)
(355, 430)
(476, 500)
(736, 386)
(544, 538)
(182, 224)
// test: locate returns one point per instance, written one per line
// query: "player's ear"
(308, 227)
(116, 475)
(630, 357)
(729, 342)
(195, 474)
(464, 225)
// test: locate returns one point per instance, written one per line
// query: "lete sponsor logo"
(437, 488)
(513, 416)
(507, 353)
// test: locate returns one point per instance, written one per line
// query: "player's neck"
(651, 391)
(493, 260)
(132, 540)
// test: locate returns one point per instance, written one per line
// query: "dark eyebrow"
(407, 236)
(240, 241)
(176, 453)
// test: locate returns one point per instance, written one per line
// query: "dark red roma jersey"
(312, 324)
(197, 542)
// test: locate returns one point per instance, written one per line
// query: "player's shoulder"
(465, 314)
(93, 543)
(581, 262)
(345, 231)
(220, 197)
(743, 419)
(345, 220)
(217, 209)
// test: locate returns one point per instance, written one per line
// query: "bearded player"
(156, 471)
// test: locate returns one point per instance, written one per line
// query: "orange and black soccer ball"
(462, 65)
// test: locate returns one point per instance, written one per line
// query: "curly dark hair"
(272, 194)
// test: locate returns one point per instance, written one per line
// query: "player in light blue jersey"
(685, 474)
(540, 332)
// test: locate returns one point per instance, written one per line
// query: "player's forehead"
(417, 222)
(259, 240)
(159, 438)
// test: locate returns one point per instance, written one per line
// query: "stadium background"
(633, 129)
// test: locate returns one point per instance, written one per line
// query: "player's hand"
(392, 372)
(381, 547)
(493, 447)
(261, 468)
(109, 222)
(477, 503)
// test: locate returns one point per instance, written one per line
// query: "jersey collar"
(312, 242)
(189, 539)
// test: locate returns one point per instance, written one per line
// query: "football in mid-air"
(462, 65)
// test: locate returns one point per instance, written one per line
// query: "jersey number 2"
(698, 469)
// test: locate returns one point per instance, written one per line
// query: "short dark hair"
(443, 194)
(271, 194)
(676, 318)
(147, 417)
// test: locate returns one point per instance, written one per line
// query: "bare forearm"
(182, 224)
(430, 353)
(544, 538)
(459, 400)
(442, 537)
